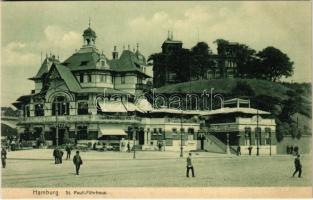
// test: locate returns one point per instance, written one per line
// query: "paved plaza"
(36, 168)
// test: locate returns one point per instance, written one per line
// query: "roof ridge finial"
(89, 22)
(128, 47)
(123, 47)
(172, 35)
(168, 34)
(137, 46)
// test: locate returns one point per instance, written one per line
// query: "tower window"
(81, 77)
(123, 79)
(89, 78)
(102, 63)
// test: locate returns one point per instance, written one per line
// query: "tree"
(201, 59)
(282, 129)
(273, 64)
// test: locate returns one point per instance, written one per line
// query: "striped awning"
(112, 106)
(111, 131)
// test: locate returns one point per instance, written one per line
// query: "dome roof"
(89, 32)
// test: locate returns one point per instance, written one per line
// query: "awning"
(112, 106)
(132, 107)
(111, 131)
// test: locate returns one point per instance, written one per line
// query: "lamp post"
(181, 134)
(228, 149)
(134, 141)
(257, 132)
(56, 124)
(270, 143)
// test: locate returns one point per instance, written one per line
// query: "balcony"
(178, 120)
(80, 118)
(225, 127)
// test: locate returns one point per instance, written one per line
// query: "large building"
(90, 98)
(224, 63)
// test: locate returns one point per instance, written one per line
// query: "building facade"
(89, 98)
(224, 63)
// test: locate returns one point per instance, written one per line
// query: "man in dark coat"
(56, 156)
(238, 150)
(77, 160)
(128, 147)
(68, 152)
(3, 157)
(298, 166)
(190, 166)
(250, 150)
(60, 155)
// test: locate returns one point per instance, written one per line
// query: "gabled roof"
(126, 63)
(45, 67)
(82, 60)
(67, 76)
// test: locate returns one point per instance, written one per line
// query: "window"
(155, 131)
(174, 131)
(191, 131)
(81, 77)
(102, 63)
(105, 78)
(139, 80)
(39, 110)
(82, 108)
(258, 135)
(248, 136)
(122, 79)
(83, 63)
(268, 136)
(60, 105)
(82, 133)
(160, 131)
(89, 78)
(26, 111)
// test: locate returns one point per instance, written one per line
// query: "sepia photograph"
(156, 99)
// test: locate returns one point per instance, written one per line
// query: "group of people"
(58, 154)
(292, 149)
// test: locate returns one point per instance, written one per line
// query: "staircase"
(217, 146)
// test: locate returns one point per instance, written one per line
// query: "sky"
(29, 30)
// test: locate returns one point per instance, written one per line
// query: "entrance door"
(141, 137)
(202, 143)
(60, 136)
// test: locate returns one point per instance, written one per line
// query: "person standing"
(250, 150)
(190, 166)
(77, 160)
(56, 156)
(3, 157)
(68, 152)
(238, 150)
(128, 147)
(60, 155)
(298, 166)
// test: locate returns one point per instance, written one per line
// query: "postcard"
(156, 99)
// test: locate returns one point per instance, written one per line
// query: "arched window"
(39, 109)
(60, 105)
(82, 108)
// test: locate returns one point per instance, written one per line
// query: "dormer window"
(102, 63)
(89, 78)
(81, 77)
(83, 63)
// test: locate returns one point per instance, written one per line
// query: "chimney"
(115, 53)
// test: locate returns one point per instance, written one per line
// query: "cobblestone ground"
(36, 168)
